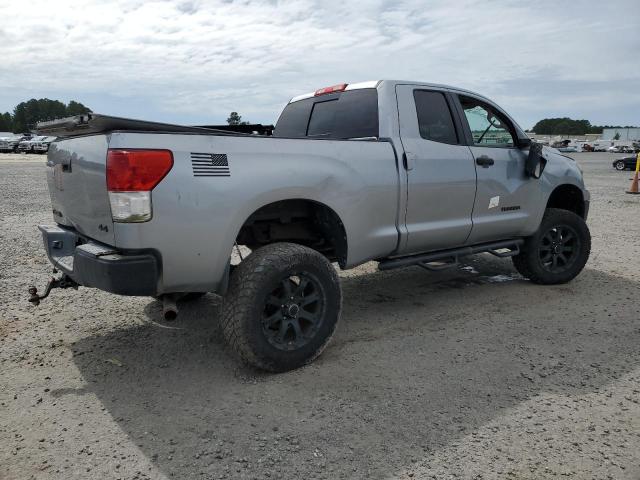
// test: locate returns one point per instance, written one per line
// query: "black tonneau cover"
(90, 123)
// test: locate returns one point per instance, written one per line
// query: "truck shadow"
(419, 360)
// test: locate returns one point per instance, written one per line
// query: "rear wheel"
(620, 165)
(558, 251)
(282, 306)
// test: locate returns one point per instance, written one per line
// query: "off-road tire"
(529, 263)
(251, 293)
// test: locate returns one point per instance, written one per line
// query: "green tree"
(567, 126)
(562, 126)
(616, 136)
(6, 122)
(235, 119)
(27, 114)
(76, 108)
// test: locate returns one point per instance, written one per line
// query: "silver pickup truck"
(403, 173)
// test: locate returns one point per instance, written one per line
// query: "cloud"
(194, 61)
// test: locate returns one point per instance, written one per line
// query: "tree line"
(568, 126)
(27, 114)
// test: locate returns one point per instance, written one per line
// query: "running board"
(449, 258)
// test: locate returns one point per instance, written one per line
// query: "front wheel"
(620, 165)
(282, 307)
(558, 251)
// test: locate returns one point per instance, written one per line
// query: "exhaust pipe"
(169, 307)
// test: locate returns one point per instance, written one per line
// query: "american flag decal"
(210, 165)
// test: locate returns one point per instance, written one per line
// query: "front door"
(505, 195)
(441, 175)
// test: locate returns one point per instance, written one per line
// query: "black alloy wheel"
(293, 311)
(558, 248)
(558, 251)
(282, 306)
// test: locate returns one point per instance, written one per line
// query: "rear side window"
(434, 117)
(350, 114)
(294, 120)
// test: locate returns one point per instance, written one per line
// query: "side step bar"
(449, 258)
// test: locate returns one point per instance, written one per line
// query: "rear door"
(505, 195)
(441, 176)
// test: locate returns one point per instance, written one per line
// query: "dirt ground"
(468, 373)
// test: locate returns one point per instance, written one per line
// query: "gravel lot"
(469, 373)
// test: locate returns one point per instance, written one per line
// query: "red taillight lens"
(334, 88)
(136, 170)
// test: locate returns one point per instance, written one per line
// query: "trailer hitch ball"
(63, 282)
(33, 296)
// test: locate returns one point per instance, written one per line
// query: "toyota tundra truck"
(396, 172)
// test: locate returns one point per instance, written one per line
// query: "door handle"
(485, 161)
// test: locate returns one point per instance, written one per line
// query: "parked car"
(26, 145)
(42, 145)
(397, 172)
(620, 149)
(568, 149)
(564, 146)
(626, 163)
(601, 146)
(587, 147)
(10, 144)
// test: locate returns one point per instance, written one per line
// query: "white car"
(10, 144)
(620, 149)
(26, 145)
(42, 145)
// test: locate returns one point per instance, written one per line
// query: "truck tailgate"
(76, 175)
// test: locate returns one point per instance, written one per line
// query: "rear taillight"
(131, 175)
(137, 170)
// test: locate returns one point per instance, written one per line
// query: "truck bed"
(196, 217)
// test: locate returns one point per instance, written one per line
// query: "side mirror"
(524, 142)
(535, 163)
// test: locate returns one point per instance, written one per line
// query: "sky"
(193, 62)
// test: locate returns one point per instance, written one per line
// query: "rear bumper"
(93, 264)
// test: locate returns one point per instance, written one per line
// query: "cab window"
(488, 127)
(342, 115)
(435, 122)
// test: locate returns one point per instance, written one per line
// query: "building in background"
(632, 134)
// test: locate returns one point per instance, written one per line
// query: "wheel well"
(298, 221)
(567, 197)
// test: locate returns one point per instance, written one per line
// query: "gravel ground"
(468, 373)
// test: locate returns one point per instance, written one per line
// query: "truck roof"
(376, 83)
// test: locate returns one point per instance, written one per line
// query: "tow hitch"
(63, 282)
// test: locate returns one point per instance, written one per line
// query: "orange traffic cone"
(634, 182)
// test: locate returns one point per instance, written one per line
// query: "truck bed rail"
(91, 123)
